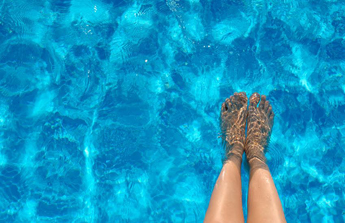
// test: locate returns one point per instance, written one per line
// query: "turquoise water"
(109, 110)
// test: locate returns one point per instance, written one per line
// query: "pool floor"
(109, 110)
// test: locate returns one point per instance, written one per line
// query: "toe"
(272, 114)
(262, 102)
(271, 119)
(243, 94)
(224, 108)
(267, 106)
(269, 111)
(254, 99)
(237, 101)
(243, 98)
(227, 103)
(232, 100)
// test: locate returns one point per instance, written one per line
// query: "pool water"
(109, 110)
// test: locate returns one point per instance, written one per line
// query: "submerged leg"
(263, 201)
(226, 200)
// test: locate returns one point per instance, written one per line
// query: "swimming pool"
(110, 109)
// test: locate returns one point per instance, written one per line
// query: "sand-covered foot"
(259, 127)
(233, 125)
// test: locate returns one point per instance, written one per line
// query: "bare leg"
(226, 200)
(263, 200)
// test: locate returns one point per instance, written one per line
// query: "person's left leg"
(226, 200)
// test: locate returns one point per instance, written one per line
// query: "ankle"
(257, 163)
(233, 158)
(255, 151)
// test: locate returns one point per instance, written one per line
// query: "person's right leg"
(263, 200)
(226, 200)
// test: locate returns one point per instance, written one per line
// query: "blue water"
(109, 110)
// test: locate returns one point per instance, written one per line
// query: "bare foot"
(260, 123)
(233, 125)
